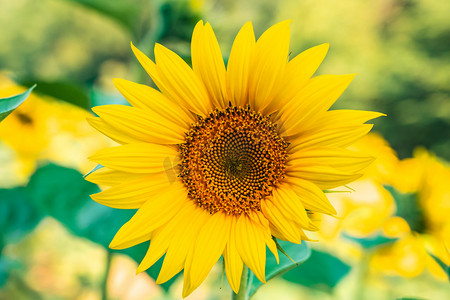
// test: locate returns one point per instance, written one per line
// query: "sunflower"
(422, 215)
(50, 130)
(222, 160)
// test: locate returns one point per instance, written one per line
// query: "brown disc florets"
(231, 160)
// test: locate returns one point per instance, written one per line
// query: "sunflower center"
(231, 160)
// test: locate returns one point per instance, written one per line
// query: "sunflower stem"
(243, 293)
(104, 287)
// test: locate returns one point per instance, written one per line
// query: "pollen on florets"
(231, 160)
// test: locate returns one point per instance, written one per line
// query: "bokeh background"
(392, 237)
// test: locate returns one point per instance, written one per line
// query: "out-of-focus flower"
(425, 178)
(223, 159)
(364, 208)
(44, 129)
(434, 191)
(25, 129)
(419, 221)
(406, 257)
(386, 160)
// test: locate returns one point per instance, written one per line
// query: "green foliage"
(371, 241)
(4, 270)
(63, 194)
(321, 270)
(148, 20)
(7, 105)
(122, 11)
(17, 218)
(408, 208)
(99, 97)
(298, 254)
(178, 20)
(63, 90)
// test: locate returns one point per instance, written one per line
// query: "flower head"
(222, 159)
(50, 130)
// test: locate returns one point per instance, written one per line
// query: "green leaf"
(7, 105)
(4, 270)
(62, 90)
(371, 241)
(441, 264)
(99, 97)
(124, 12)
(408, 208)
(63, 194)
(298, 252)
(321, 271)
(17, 218)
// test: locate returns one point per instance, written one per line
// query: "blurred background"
(392, 237)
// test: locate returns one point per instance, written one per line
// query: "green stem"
(243, 293)
(104, 287)
(362, 274)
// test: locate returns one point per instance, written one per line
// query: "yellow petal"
(155, 251)
(136, 123)
(304, 65)
(132, 194)
(297, 74)
(163, 236)
(183, 240)
(315, 98)
(325, 177)
(137, 158)
(155, 212)
(105, 176)
(277, 233)
(149, 66)
(289, 204)
(343, 120)
(341, 159)
(180, 83)
(111, 132)
(261, 220)
(207, 63)
(271, 55)
(160, 108)
(239, 62)
(209, 246)
(311, 196)
(250, 243)
(331, 137)
(281, 226)
(233, 262)
(345, 117)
